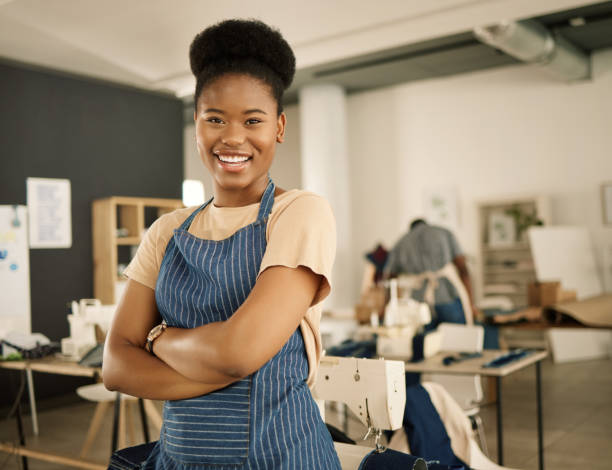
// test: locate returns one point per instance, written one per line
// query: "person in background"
(430, 261)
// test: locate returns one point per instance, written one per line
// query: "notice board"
(14, 270)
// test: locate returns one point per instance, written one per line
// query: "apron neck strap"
(267, 200)
(185, 225)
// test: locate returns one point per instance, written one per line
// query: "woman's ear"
(280, 128)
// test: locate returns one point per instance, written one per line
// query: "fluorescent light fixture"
(531, 42)
(193, 193)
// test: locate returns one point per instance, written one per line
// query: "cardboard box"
(372, 300)
(541, 294)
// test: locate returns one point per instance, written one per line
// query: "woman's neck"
(240, 196)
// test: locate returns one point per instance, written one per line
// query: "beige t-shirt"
(301, 231)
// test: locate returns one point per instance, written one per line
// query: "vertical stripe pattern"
(265, 421)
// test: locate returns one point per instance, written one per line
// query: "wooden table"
(50, 365)
(473, 366)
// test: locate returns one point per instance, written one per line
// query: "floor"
(577, 422)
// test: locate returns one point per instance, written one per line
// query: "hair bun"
(242, 39)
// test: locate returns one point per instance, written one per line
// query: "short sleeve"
(304, 234)
(455, 249)
(144, 267)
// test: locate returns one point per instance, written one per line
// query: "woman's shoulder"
(299, 200)
(299, 208)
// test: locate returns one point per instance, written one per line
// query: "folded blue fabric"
(512, 356)
(392, 460)
(425, 431)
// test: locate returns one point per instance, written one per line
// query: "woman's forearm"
(197, 353)
(239, 346)
(132, 370)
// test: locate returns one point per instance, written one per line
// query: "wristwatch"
(154, 334)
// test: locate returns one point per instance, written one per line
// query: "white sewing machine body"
(404, 318)
(373, 389)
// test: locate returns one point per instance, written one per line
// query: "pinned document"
(49, 212)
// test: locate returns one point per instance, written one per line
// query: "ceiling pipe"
(531, 42)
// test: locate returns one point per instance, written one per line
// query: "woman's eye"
(253, 121)
(214, 120)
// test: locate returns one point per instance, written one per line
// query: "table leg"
(539, 405)
(24, 459)
(500, 438)
(116, 423)
(32, 401)
(143, 417)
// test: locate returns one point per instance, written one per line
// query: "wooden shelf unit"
(509, 264)
(131, 214)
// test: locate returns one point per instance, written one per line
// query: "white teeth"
(230, 159)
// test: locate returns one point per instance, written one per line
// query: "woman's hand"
(252, 335)
(128, 368)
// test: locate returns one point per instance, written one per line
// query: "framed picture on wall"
(606, 202)
(502, 229)
(441, 207)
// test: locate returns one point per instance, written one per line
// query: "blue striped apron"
(268, 420)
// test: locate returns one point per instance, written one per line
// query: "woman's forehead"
(237, 91)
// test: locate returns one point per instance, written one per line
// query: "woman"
(236, 282)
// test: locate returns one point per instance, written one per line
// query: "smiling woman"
(220, 317)
(237, 128)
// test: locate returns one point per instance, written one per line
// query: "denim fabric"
(131, 457)
(267, 420)
(424, 429)
(392, 460)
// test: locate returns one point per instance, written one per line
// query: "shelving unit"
(118, 225)
(509, 267)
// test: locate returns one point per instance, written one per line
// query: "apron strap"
(185, 225)
(449, 271)
(267, 200)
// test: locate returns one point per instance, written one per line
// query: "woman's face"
(237, 128)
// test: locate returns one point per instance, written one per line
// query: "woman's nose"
(233, 136)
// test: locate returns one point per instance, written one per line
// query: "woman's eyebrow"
(213, 110)
(254, 110)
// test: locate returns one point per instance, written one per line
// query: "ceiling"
(144, 43)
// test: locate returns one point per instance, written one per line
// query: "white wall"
(285, 171)
(497, 133)
(504, 132)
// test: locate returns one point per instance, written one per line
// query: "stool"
(122, 421)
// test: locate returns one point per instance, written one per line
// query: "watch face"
(155, 332)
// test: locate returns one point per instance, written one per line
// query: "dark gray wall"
(108, 140)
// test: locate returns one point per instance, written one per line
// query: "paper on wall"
(49, 213)
(441, 207)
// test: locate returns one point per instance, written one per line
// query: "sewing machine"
(404, 318)
(373, 389)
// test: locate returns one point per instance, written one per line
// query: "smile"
(232, 162)
(232, 159)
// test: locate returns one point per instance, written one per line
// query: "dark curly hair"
(245, 47)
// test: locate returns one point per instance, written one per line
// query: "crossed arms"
(193, 362)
